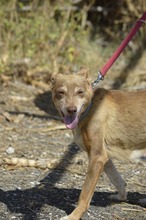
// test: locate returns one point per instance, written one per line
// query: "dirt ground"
(30, 127)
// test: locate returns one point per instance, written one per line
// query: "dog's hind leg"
(116, 180)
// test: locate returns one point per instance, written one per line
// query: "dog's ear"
(84, 71)
(53, 78)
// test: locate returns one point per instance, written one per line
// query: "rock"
(10, 150)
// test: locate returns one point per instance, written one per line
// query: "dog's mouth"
(71, 121)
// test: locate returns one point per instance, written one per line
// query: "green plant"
(52, 35)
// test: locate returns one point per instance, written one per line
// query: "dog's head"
(72, 95)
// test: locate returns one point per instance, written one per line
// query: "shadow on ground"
(30, 201)
(43, 102)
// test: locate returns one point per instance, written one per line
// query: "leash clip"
(99, 78)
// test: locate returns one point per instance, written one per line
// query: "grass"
(46, 37)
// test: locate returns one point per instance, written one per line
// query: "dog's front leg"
(95, 167)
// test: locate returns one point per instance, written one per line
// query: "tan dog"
(104, 123)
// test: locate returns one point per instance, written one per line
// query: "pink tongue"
(71, 121)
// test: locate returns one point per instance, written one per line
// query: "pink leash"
(119, 50)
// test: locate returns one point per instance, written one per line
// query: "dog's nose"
(72, 110)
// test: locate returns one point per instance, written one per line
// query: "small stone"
(10, 150)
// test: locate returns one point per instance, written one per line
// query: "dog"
(105, 123)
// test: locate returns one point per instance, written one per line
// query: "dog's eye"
(80, 92)
(60, 92)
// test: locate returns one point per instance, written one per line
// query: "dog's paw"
(142, 202)
(118, 197)
(64, 218)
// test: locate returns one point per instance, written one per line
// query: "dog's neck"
(84, 114)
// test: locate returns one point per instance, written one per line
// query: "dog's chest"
(77, 137)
